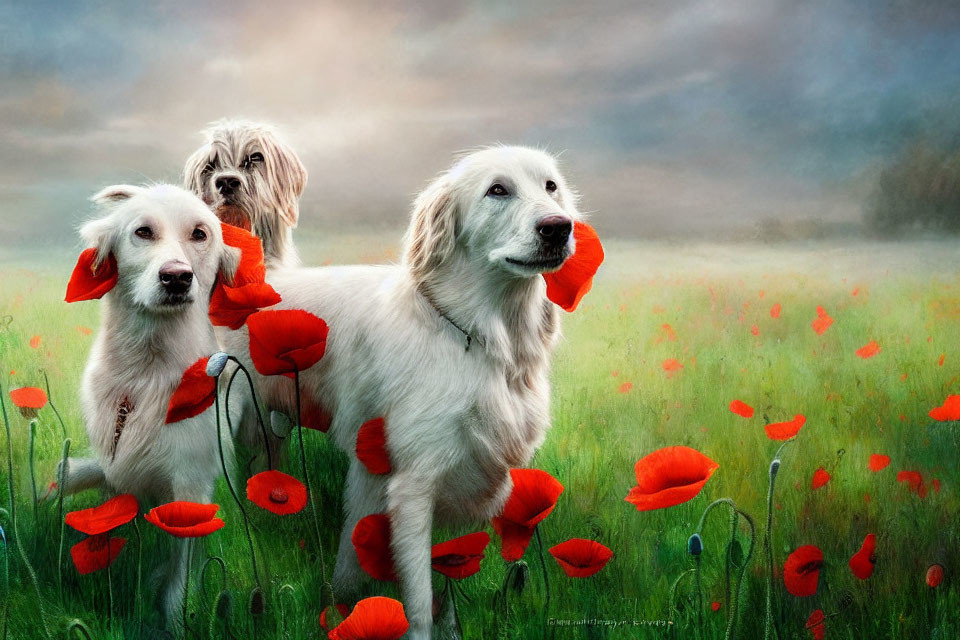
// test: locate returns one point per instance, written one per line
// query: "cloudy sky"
(671, 116)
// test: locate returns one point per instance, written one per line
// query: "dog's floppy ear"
(116, 193)
(102, 234)
(432, 234)
(286, 175)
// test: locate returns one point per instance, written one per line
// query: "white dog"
(451, 347)
(169, 249)
(252, 180)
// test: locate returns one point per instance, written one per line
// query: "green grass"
(710, 296)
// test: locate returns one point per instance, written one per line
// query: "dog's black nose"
(554, 230)
(227, 184)
(176, 277)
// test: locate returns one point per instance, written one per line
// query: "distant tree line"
(919, 190)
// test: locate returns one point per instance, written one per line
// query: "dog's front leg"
(410, 505)
(364, 494)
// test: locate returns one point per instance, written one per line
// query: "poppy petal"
(87, 283)
(116, 511)
(95, 553)
(785, 430)
(28, 397)
(533, 497)
(460, 558)
(580, 558)
(196, 393)
(372, 446)
(815, 624)
(286, 340)
(371, 540)
(878, 461)
(186, 519)
(820, 478)
(801, 573)
(742, 409)
(514, 538)
(862, 561)
(375, 618)
(949, 410)
(567, 286)
(670, 476)
(231, 306)
(868, 350)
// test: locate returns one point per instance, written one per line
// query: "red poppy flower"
(533, 497)
(567, 286)
(820, 478)
(89, 283)
(580, 558)
(815, 624)
(863, 560)
(802, 570)
(372, 447)
(670, 476)
(96, 552)
(625, 387)
(29, 400)
(376, 618)
(35, 342)
(868, 350)
(949, 410)
(231, 306)
(934, 576)
(742, 409)
(755, 330)
(878, 461)
(915, 480)
(785, 430)
(715, 606)
(371, 540)
(460, 558)
(670, 365)
(342, 609)
(822, 322)
(195, 394)
(285, 341)
(251, 267)
(277, 492)
(186, 519)
(775, 311)
(116, 511)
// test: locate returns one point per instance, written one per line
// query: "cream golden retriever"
(452, 347)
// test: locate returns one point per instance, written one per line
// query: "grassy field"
(706, 306)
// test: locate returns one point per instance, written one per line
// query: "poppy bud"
(280, 424)
(257, 604)
(216, 363)
(519, 576)
(774, 467)
(695, 545)
(224, 606)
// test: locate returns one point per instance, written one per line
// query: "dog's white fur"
(457, 420)
(270, 183)
(145, 343)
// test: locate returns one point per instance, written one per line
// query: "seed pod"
(519, 576)
(257, 603)
(224, 606)
(695, 545)
(216, 363)
(774, 467)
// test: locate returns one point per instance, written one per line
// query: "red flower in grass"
(868, 350)
(934, 576)
(670, 476)
(28, 400)
(371, 540)
(372, 447)
(785, 430)
(195, 394)
(89, 282)
(878, 461)
(949, 410)
(671, 365)
(741, 408)
(277, 492)
(342, 609)
(815, 624)
(775, 310)
(820, 478)
(533, 497)
(286, 340)
(822, 322)
(567, 286)
(715, 606)
(376, 618)
(186, 519)
(802, 570)
(460, 558)
(580, 558)
(915, 480)
(96, 552)
(863, 560)
(111, 514)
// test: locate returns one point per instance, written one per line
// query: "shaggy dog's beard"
(233, 215)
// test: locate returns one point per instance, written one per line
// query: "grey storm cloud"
(670, 116)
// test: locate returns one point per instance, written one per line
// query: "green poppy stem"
(61, 480)
(33, 475)
(226, 477)
(136, 597)
(310, 493)
(186, 585)
(672, 597)
(768, 626)
(256, 407)
(109, 588)
(546, 578)
(6, 424)
(46, 383)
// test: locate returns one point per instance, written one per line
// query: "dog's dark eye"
(252, 159)
(199, 235)
(144, 232)
(551, 186)
(497, 190)
(209, 167)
